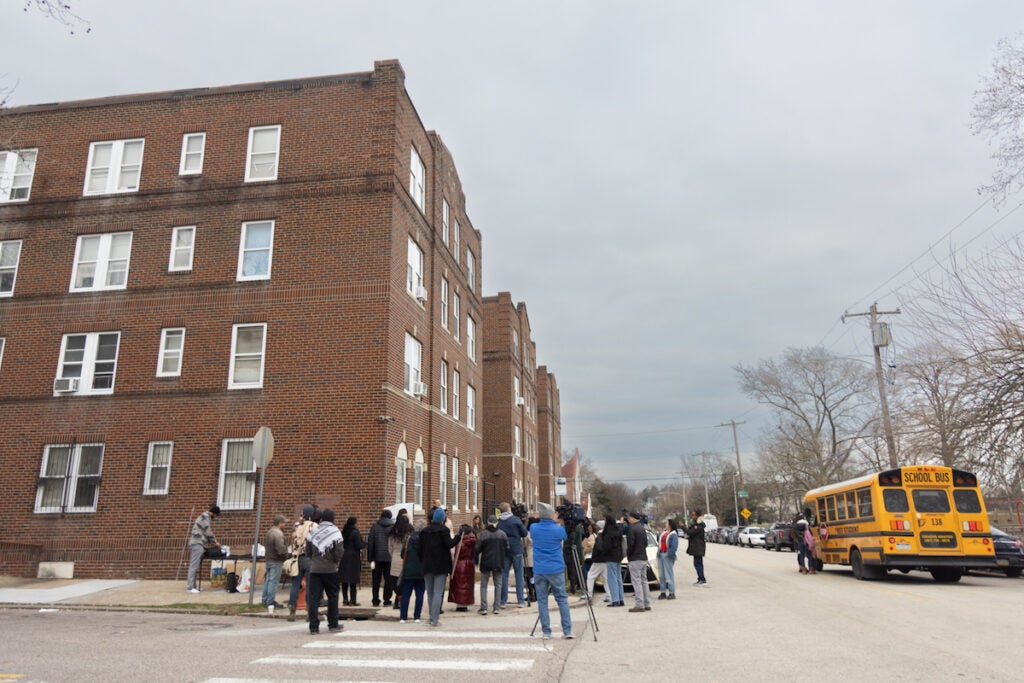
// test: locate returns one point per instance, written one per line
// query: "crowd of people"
(554, 553)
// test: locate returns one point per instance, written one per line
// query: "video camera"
(570, 513)
(520, 510)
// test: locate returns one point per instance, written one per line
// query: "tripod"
(586, 595)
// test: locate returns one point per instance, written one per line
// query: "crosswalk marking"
(431, 633)
(445, 665)
(398, 646)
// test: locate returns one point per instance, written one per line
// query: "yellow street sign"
(746, 513)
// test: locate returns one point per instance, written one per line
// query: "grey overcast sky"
(672, 187)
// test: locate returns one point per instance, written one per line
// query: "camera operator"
(549, 569)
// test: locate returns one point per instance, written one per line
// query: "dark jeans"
(348, 591)
(382, 569)
(698, 564)
(318, 585)
(293, 597)
(408, 586)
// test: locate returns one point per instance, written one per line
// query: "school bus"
(923, 517)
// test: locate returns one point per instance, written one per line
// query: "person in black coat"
(351, 563)
(435, 554)
(611, 546)
(696, 545)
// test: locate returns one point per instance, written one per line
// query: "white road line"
(399, 646)
(445, 665)
(426, 632)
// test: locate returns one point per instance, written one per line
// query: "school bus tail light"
(972, 526)
(899, 525)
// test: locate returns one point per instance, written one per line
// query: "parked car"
(734, 532)
(778, 536)
(750, 536)
(1009, 553)
(720, 534)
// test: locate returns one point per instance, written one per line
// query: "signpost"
(262, 454)
(742, 493)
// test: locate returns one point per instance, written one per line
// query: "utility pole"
(736, 444)
(880, 337)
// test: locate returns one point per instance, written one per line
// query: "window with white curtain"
(101, 262)
(193, 146)
(248, 344)
(264, 149)
(114, 166)
(182, 246)
(17, 167)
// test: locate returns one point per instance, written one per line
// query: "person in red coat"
(461, 588)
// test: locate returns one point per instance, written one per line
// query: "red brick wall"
(336, 310)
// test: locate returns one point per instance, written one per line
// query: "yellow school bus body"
(924, 517)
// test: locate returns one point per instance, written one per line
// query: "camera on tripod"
(570, 513)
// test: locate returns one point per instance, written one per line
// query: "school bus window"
(821, 510)
(966, 500)
(840, 506)
(864, 498)
(895, 500)
(831, 503)
(851, 505)
(926, 500)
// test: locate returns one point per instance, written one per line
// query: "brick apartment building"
(178, 269)
(549, 435)
(510, 407)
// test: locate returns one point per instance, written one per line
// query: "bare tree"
(61, 12)
(823, 406)
(998, 115)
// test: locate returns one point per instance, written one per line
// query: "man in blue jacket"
(516, 532)
(549, 569)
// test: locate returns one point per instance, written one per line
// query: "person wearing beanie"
(325, 548)
(491, 550)
(549, 569)
(435, 556)
(277, 553)
(201, 538)
(300, 533)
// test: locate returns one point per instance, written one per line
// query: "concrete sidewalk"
(171, 595)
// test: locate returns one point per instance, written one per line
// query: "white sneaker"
(419, 621)
(401, 621)
(193, 590)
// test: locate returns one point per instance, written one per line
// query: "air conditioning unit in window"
(421, 294)
(419, 389)
(520, 401)
(65, 385)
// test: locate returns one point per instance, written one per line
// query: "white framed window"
(445, 221)
(88, 363)
(476, 488)
(444, 302)
(248, 346)
(469, 487)
(17, 167)
(255, 250)
(183, 241)
(444, 386)
(456, 317)
(264, 148)
(69, 478)
(114, 166)
(471, 337)
(193, 148)
(158, 468)
(101, 262)
(236, 488)
(414, 269)
(455, 484)
(456, 377)
(413, 363)
(455, 239)
(517, 430)
(443, 483)
(471, 270)
(401, 467)
(515, 343)
(172, 348)
(515, 389)
(10, 256)
(417, 180)
(3, 342)
(470, 406)
(417, 480)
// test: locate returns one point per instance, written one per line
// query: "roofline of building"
(288, 84)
